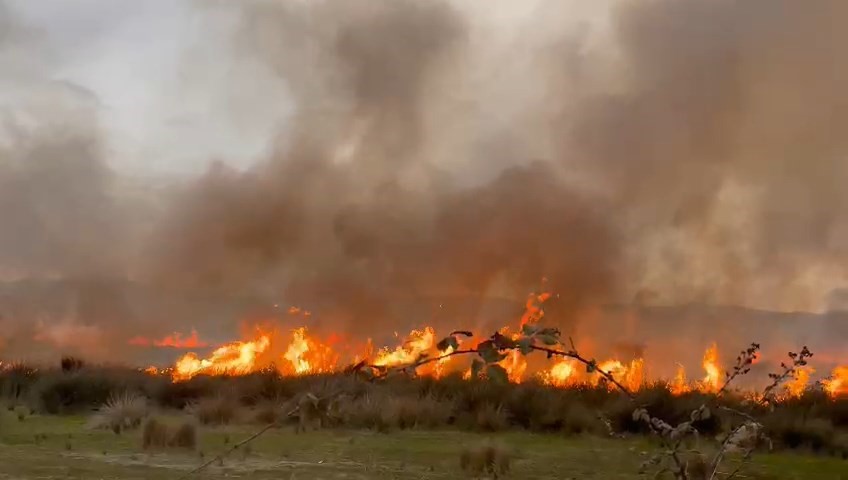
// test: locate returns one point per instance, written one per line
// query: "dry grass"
(218, 410)
(184, 436)
(154, 434)
(21, 412)
(158, 434)
(488, 458)
(271, 411)
(491, 418)
(124, 411)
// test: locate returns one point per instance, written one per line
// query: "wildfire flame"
(236, 358)
(800, 379)
(174, 340)
(562, 374)
(306, 354)
(712, 380)
(418, 343)
(837, 384)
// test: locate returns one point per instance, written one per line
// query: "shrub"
(218, 410)
(154, 434)
(71, 364)
(368, 412)
(491, 418)
(21, 412)
(580, 419)
(487, 458)
(787, 431)
(59, 392)
(16, 379)
(184, 436)
(121, 412)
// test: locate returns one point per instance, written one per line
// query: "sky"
(153, 69)
(162, 71)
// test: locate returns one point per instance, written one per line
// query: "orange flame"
(712, 380)
(562, 374)
(679, 386)
(236, 358)
(174, 340)
(307, 355)
(798, 384)
(837, 384)
(418, 343)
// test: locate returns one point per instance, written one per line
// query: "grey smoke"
(690, 150)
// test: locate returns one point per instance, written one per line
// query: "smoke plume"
(673, 151)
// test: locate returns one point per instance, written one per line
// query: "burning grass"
(301, 352)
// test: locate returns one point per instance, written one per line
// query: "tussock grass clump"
(124, 411)
(218, 410)
(491, 418)
(154, 434)
(369, 412)
(412, 412)
(21, 412)
(157, 434)
(70, 364)
(486, 458)
(271, 411)
(184, 436)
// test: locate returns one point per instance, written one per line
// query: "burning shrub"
(121, 412)
(218, 410)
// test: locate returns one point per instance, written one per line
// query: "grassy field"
(48, 447)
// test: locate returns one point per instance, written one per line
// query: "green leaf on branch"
(448, 343)
(592, 366)
(547, 339)
(525, 345)
(476, 367)
(489, 353)
(497, 373)
(464, 333)
(553, 332)
(502, 342)
(529, 329)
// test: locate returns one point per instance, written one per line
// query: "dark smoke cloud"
(718, 140)
(691, 153)
(364, 230)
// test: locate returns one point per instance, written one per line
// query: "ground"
(73, 451)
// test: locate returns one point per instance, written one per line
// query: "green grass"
(71, 451)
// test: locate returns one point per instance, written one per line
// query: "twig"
(223, 454)
(573, 354)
